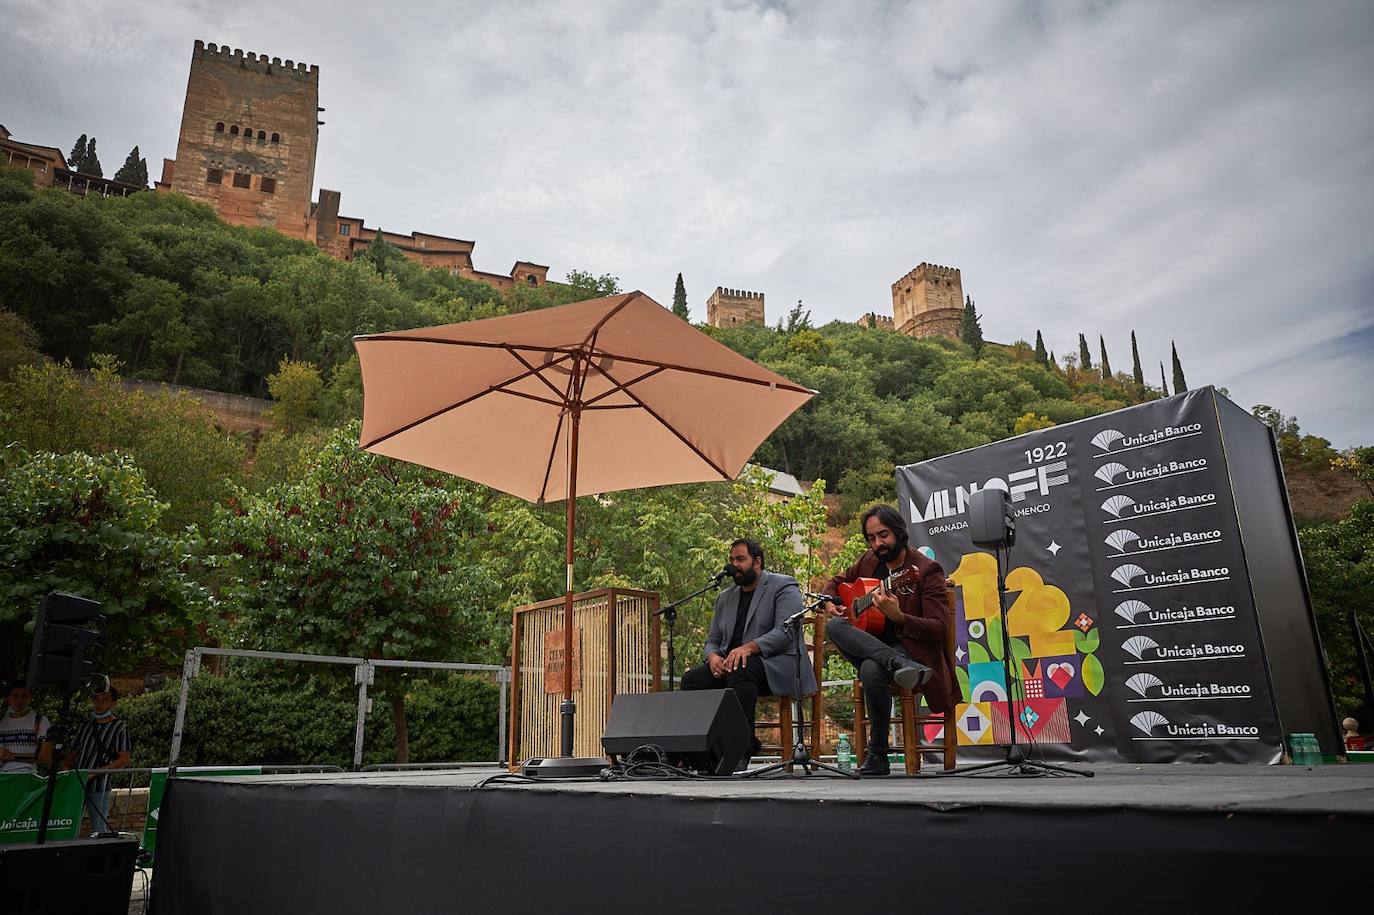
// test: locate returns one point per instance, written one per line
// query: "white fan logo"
(1146, 722)
(1106, 438)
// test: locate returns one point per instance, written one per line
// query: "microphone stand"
(669, 613)
(800, 757)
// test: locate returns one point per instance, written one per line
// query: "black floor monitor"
(704, 730)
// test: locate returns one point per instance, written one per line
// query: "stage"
(1133, 838)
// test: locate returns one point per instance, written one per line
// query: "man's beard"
(889, 553)
(745, 577)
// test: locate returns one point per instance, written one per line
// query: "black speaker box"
(86, 876)
(990, 518)
(703, 730)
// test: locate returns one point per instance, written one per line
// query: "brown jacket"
(925, 620)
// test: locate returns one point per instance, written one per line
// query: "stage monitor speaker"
(88, 876)
(990, 518)
(703, 730)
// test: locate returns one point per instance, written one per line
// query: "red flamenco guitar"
(858, 598)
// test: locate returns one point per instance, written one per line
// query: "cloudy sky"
(1198, 172)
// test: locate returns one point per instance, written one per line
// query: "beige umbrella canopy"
(597, 396)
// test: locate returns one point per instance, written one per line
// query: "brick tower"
(732, 307)
(249, 131)
(929, 302)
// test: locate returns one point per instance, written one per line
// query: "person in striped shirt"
(101, 745)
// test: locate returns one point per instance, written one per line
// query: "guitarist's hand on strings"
(834, 607)
(886, 602)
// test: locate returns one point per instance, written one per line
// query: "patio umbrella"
(597, 396)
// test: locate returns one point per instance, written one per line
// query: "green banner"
(157, 787)
(21, 804)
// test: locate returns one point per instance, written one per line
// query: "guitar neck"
(865, 601)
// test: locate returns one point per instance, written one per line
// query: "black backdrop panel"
(1133, 622)
(1282, 603)
(228, 848)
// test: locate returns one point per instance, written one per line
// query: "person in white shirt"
(23, 733)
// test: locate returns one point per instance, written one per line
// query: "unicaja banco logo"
(1146, 722)
(1141, 684)
(1127, 573)
(1117, 504)
(1108, 473)
(1105, 439)
(1128, 610)
(1117, 540)
(1137, 645)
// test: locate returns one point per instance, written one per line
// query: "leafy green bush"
(282, 720)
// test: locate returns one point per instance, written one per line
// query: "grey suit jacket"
(775, 599)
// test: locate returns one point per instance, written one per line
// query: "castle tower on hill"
(249, 132)
(929, 302)
(732, 307)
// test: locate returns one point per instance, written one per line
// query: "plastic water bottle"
(844, 753)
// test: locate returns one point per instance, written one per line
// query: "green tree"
(134, 170)
(1359, 462)
(1085, 359)
(89, 524)
(382, 255)
(971, 331)
(1029, 422)
(90, 165)
(584, 285)
(1136, 371)
(1339, 558)
(1041, 356)
(363, 556)
(297, 388)
(77, 157)
(186, 458)
(680, 299)
(19, 343)
(1102, 348)
(1163, 387)
(1180, 385)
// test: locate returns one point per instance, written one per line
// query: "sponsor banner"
(21, 804)
(1129, 612)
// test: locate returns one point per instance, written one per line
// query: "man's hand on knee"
(717, 664)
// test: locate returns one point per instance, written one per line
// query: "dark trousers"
(749, 682)
(875, 660)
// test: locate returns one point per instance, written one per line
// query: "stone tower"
(929, 302)
(732, 307)
(249, 132)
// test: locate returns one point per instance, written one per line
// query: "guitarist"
(911, 650)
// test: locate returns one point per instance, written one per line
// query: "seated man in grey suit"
(747, 649)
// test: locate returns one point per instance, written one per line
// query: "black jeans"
(749, 682)
(875, 660)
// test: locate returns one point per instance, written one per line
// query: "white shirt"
(21, 737)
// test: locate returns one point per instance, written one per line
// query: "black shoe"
(911, 675)
(875, 764)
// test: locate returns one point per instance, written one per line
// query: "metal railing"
(364, 675)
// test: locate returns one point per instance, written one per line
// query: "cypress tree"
(77, 157)
(1136, 372)
(1106, 366)
(134, 170)
(972, 331)
(680, 299)
(1180, 385)
(91, 164)
(1164, 388)
(1040, 355)
(1053, 361)
(1085, 360)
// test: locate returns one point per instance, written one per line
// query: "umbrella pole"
(568, 710)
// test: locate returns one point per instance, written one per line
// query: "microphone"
(727, 572)
(825, 598)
